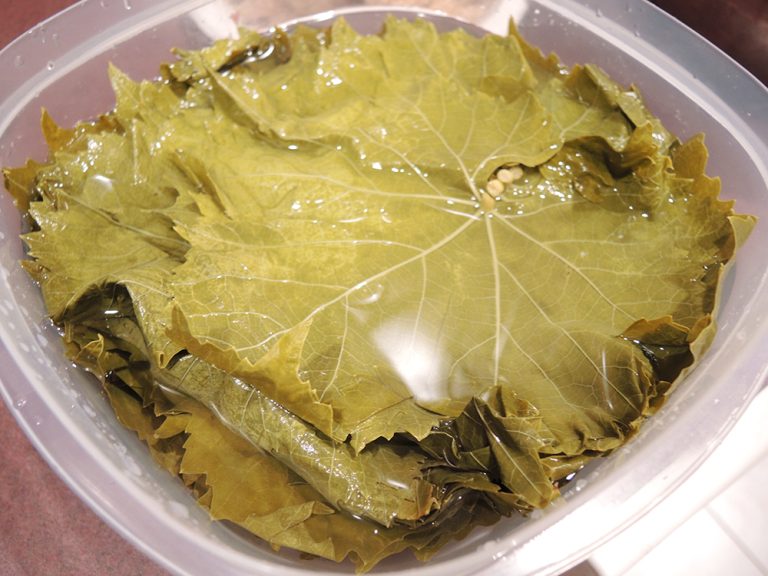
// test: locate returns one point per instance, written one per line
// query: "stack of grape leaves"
(364, 293)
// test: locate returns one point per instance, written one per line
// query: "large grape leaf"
(377, 252)
(413, 268)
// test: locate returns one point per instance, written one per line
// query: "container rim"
(746, 112)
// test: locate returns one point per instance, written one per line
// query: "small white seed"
(504, 175)
(516, 172)
(487, 202)
(494, 187)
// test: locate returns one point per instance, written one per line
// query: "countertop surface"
(45, 528)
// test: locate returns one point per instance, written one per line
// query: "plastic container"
(61, 65)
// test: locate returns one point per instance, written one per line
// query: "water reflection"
(416, 355)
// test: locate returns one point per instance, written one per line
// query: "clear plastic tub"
(61, 65)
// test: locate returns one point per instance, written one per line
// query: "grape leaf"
(229, 475)
(425, 276)
(373, 253)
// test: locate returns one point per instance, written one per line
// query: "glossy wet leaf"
(406, 271)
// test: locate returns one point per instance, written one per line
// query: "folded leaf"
(363, 293)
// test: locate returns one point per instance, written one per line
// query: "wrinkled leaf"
(364, 292)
